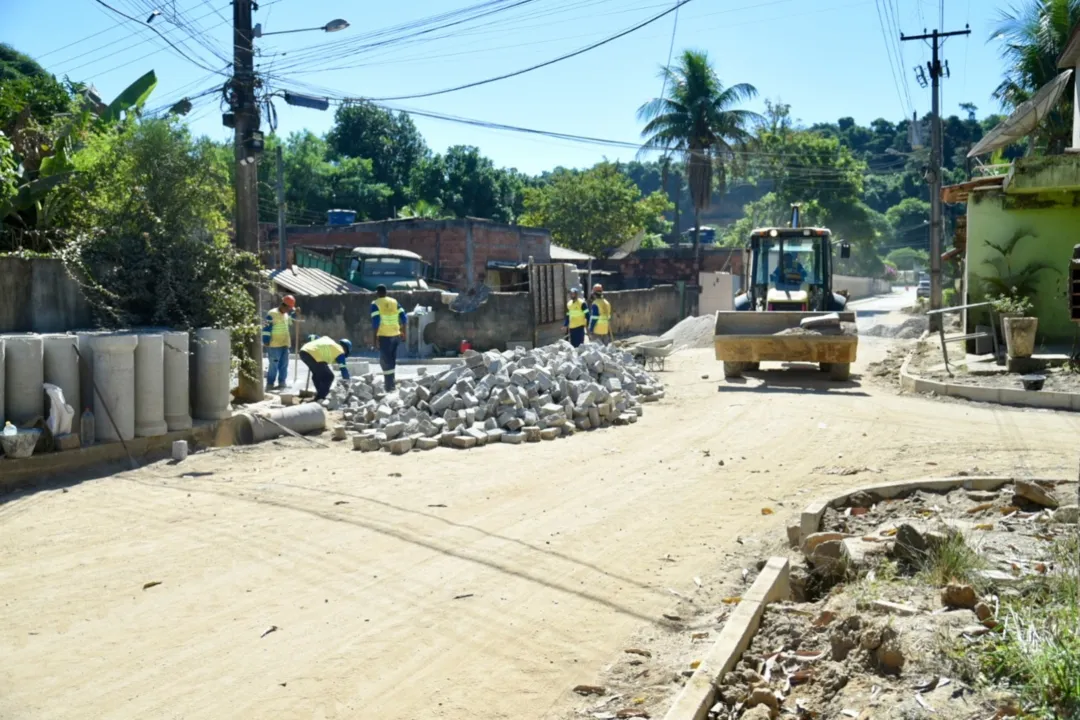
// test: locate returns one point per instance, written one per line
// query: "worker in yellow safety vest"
(600, 315)
(388, 321)
(577, 318)
(317, 353)
(276, 339)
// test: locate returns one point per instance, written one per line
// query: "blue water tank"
(340, 217)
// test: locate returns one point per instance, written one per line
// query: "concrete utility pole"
(248, 143)
(936, 227)
(283, 260)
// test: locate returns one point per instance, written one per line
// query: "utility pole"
(936, 227)
(248, 143)
(283, 260)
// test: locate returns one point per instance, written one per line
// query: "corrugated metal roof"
(309, 281)
(561, 254)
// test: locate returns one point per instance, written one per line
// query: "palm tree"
(698, 118)
(1034, 35)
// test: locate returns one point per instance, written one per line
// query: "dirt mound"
(910, 329)
(693, 332)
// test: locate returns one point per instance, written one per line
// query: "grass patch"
(1038, 651)
(951, 560)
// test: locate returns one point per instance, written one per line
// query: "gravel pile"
(693, 332)
(910, 329)
(845, 328)
(514, 396)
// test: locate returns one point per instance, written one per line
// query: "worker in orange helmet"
(600, 315)
(277, 340)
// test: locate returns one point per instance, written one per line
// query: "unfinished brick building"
(459, 251)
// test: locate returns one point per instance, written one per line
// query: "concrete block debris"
(517, 396)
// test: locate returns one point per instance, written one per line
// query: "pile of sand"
(910, 329)
(693, 332)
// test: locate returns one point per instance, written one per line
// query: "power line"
(567, 56)
(171, 44)
(670, 52)
(888, 53)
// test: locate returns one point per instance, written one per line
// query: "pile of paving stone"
(512, 397)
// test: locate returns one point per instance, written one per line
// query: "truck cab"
(369, 267)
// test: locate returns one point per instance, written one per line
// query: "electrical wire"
(546, 63)
(170, 42)
(889, 54)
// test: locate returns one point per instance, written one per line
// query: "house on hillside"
(1032, 212)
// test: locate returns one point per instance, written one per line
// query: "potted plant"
(1018, 324)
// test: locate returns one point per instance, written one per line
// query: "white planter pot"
(1020, 336)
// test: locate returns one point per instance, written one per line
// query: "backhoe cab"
(791, 269)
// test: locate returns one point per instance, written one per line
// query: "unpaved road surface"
(453, 585)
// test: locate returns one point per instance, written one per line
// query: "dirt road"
(453, 585)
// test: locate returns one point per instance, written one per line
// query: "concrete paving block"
(532, 433)
(495, 435)
(463, 442)
(513, 438)
(394, 429)
(446, 439)
(426, 443)
(549, 433)
(400, 446)
(365, 443)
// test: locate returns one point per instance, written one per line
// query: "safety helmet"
(346, 345)
(575, 290)
(597, 288)
(289, 300)
(312, 338)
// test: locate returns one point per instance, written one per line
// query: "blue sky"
(827, 58)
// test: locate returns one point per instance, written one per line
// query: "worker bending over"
(388, 321)
(577, 318)
(276, 339)
(600, 315)
(317, 353)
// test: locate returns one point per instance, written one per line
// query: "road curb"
(1044, 399)
(812, 514)
(698, 695)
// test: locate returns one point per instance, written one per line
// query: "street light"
(332, 26)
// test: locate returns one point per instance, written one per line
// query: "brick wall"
(458, 250)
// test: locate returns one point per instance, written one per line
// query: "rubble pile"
(513, 397)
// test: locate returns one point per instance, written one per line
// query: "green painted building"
(1039, 202)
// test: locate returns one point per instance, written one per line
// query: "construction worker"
(600, 315)
(388, 321)
(577, 318)
(277, 341)
(317, 353)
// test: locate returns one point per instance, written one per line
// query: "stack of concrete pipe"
(136, 384)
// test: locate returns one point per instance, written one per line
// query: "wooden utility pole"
(248, 144)
(936, 227)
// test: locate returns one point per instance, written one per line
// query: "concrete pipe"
(150, 386)
(24, 375)
(114, 377)
(177, 396)
(306, 418)
(210, 372)
(62, 367)
(85, 342)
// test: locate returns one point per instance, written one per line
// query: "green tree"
(700, 120)
(1033, 36)
(910, 223)
(592, 211)
(464, 183)
(152, 206)
(907, 258)
(388, 139)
